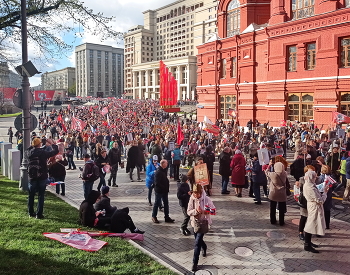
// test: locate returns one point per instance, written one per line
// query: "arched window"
(233, 18)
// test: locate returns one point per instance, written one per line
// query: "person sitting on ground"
(105, 202)
(117, 223)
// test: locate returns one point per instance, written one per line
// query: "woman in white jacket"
(198, 207)
(315, 223)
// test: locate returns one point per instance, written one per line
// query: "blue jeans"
(87, 186)
(150, 194)
(62, 185)
(198, 245)
(256, 191)
(33, 187)
(71, 164)
(102, 181)
(224, 183)
(158, 202)
(78, 150)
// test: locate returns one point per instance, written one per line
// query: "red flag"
(340, 118)
(91, 109)
(78, 124)
(59, 118)
(68, 107)
(180, 134)
(232, 113)
(104, 111)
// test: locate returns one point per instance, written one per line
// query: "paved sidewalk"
(272, 249)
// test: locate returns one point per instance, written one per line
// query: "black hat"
(104, 190)
(86, 156)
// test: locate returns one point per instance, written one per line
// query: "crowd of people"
(144, 138)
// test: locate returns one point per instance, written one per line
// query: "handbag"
(200, 226)
(288, 193)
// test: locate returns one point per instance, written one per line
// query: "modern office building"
(99, 70)
(275, 60)
(170, 33)
(60, 80)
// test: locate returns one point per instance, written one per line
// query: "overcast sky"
(127, 14)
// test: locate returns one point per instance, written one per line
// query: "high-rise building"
(58, 80)
(170, 33)
(99, 70)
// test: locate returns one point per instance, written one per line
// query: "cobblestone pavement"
(270, 249)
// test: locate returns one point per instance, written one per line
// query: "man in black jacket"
(184, 194)
(38, 184)
(114, 157)
(161, 189)
(224, 169)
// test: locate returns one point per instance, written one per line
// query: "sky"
(127, 14)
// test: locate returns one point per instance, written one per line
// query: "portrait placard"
(201, 174)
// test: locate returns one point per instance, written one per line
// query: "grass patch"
(10, 115)
(24, 250)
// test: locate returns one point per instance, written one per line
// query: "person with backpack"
(38, 174)
(91, 172)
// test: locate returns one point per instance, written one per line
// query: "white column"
(179, 94)
(188, 86)
(154, 84)
(133, 85)
(14, 164)
(5, 147)
(146, 84)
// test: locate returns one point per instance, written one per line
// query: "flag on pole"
(78, 124)
(210, 127)
(104, 111)
(109, 124)
(180, 134)
(340, 118)
(60, 119)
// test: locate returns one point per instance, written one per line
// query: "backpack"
(94, 172)
(34, 168)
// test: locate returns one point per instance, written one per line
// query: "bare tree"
(48, 21)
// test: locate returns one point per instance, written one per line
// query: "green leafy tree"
(48, 21)
(72, 90)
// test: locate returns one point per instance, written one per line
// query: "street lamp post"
(23, 184)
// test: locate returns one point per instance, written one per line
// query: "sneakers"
(155, 220)
(301, 236)
(345, 202)
(225, 192)
(169, 220)
(139, 180)
(138, 231)
(115, 185)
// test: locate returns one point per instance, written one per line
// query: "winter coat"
(297, 168)
(101, 160)
(258, 175)
(202, 202)
(225, 161)
(303, 211)
(150, 171)
(105, 203)
(87, 212)
(161, 181)
(156, 150)
(315, 223)
(133, 157)
(277, 182)
(43, 156)
(327, 205)
(176, 154)
(238, 169)
(209, 159)
(182, 194)
(114, 156)
(347, 168)
(141, 158)
(57, 170)
(333, 162)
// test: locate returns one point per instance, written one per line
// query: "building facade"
(9, 79)
(60, 80)
(99, 70)
(170, 33)
(275, 60)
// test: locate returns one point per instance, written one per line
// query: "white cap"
(155, 157)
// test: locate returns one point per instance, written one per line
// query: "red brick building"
(278, 59)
